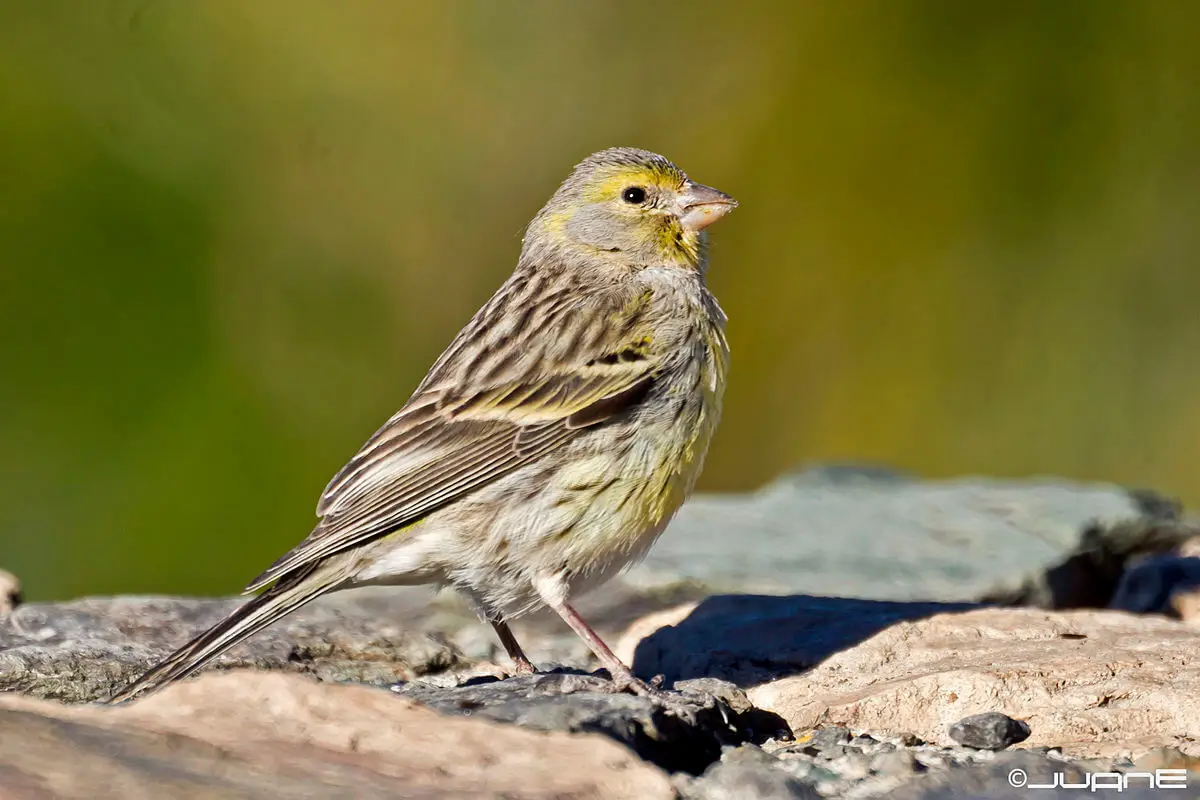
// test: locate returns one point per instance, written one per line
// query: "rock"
(834, 736)
(895, 763)
(1160, 585)
(852, 766)
(248, 734)
(875, 672)
(1004, 778)
(1186, 606)
(1019, 775)
(1167, 758)
(1096, 683)
(87, 649)
(827, 752)
(922, 770)
(989, 731)
(10, 592)
(746, 773)
(727, 692)
(1096, 573)
(750, 639)
(903, 768)
(755, 723)
(685, 732)
(878, 535)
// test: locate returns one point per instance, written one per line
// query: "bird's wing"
(458, 432)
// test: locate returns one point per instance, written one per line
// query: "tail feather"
(275, 603)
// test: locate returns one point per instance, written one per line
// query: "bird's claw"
(651, 689)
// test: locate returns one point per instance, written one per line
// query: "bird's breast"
(680, 428)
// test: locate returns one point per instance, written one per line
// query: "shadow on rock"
(750, 639)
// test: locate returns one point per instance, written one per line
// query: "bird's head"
(633, 206)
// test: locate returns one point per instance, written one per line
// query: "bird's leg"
(553, 590)
(622, 678)
(521, 663)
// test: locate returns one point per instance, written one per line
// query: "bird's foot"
(500, 672)
(623, 681)
(523, 666)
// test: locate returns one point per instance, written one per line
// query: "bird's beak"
(701, 206)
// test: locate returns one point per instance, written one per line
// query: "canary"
(552, 441)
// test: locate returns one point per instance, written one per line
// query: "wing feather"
(449, 441)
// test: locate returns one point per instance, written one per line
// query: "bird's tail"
(275, 603)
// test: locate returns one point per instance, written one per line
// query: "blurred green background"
(234, 235)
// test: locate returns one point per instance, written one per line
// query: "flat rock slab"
(88, 649)
(879, 535)
(683, 731)
(249, 734)
(1095, 683)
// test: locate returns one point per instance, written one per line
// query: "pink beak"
(701, 206)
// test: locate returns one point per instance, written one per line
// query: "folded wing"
(459, 433)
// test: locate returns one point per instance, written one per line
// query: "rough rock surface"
(87, 649)
(1166, 584)
(258, 735)
(838, 763)
(1137, 565)
(683, 732)
(1007, 777)
(881, 535)
(870, 684)
(1091, 682)
(746, 773)
(989, 731)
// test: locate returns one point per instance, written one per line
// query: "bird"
(550, 444)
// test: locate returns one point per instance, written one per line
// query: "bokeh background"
(234, 235)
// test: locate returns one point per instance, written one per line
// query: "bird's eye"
(634, 194)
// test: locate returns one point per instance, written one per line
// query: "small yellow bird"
(552, 441)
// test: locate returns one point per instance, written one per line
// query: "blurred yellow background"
(234, 235)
